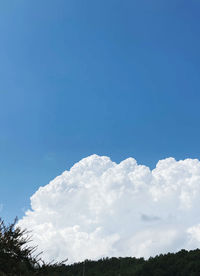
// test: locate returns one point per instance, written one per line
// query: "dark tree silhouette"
(16, 256)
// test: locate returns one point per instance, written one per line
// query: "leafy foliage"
(15, 254)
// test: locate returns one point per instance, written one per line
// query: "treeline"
(16, 259)
(183, 263)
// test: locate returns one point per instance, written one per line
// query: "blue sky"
(115, 78)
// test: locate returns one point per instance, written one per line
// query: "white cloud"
(100, 208)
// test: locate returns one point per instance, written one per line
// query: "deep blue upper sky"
(111, 77)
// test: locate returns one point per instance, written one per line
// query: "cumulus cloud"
(99, 208)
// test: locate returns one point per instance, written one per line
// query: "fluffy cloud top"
(99, 208)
